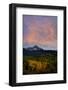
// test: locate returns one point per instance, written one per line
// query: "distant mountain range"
(36, 50)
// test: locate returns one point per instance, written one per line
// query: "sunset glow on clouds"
(41, 31)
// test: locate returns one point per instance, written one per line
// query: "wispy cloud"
(41, 32)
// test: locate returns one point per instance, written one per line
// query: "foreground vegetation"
(40, 64)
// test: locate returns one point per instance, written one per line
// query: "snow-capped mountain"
(34, 48)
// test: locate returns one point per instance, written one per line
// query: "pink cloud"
(42, 34)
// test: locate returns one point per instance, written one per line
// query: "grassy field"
(42, 64)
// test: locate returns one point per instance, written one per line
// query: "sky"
(40, 31)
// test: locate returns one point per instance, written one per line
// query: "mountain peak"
(35, 47)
